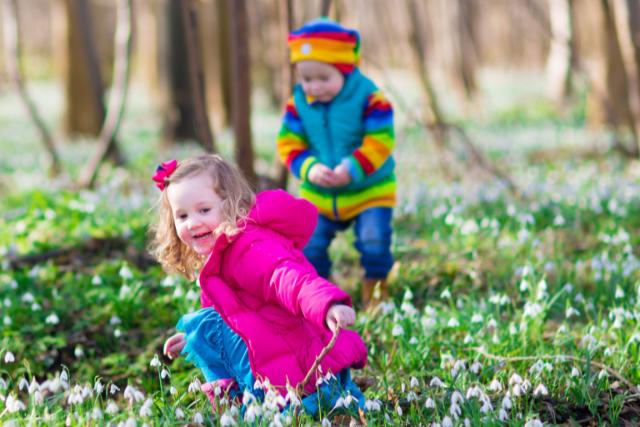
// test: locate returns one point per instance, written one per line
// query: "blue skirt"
(220, 353)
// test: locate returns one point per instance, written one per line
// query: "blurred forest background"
(516, 286)
(202, 62)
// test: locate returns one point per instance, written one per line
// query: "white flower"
(9, 357)
(78, 352)
(436, 382)
(515, 379)
(447, 422)
(113, 389)
(96, 414)
(413, 341)
(541, 390)
(619, 293)
(570, 311)
(506, 403)
(145, 409)
(414, 383)
(52, 319)
(194, 386)
(326, 423)
(227, 419)
(456, 398)
(455, 411)
(12, 404)
(164, 374)
(98, 387)
(112, 408)
(339, 403)
(475, 367)
(429, 403)
(397, 331)
(534, 423)
(453, 323)
(172, 390)
(399, 410)
(575, 372)
(477, 318)
(179, 413)
(198, 418)
(96, 280)
(446, 294)
(524, 285)
(23, 384)
(133, 394)
(125, 273)
(155, 362)
(502, 415)
(372, 405)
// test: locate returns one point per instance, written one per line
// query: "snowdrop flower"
(194, 386)
(570, 311)
(477, 318)
(179, 413)
(502, 415)
(98, 387)
(78, 352)
(575, 372)
(113, 389)
(397, 331)
(52, 319)
(455, 411)
(9, 357)
(534, 423)
(133, 394)
(532, 309)
(506, 403)
(475, 367)
(541, 390)
(252, 413)
(115, 320)
(172, 390)
(198, 418)
(412, 396)
(515, 379)
(96, 414)
(125, 273)
(96, 280)
(372, 405)
(155, 362)
(436, 382)
(12, 404)
(429, 403)
(414, 383)
(602, 374)
(339, 403)
(23, 384)
(112, 408)
(145, 409)
(399, 410)
(164, 374)
(446, 294)
(413, 341)
(468, 339)
(447, 422)
(524, 285)
(619, 293)
(456, 398)
(453, 323)
(326, 423)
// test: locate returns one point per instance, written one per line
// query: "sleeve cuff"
(356, 172)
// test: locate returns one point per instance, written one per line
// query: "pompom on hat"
(326, 41)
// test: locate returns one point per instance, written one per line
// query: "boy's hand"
(174, 345)
(322, 175)
(340, 316)
(343, 177)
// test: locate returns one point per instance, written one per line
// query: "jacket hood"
(279, 211)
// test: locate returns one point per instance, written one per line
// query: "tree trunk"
(225, 60)
(241, 88)
(118, 95)
(560, 59)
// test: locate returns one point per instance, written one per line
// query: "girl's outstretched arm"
(174, 345)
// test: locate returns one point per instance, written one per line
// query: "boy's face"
(320, 80)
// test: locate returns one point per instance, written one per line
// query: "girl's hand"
(322, 175)
(340, 316)
(174, 345)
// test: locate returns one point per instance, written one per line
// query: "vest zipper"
(334, 198)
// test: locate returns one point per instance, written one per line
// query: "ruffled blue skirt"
(220, 353)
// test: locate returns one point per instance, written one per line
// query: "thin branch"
(13, 52)
(325, 6)
(559, 357)
(300, 387)
(118, 95)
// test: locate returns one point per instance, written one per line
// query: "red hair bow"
(164, 171)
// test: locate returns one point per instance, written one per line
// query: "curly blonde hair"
(237, 199)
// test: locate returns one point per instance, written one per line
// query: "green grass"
(489, 293)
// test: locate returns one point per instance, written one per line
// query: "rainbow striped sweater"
(354, 129)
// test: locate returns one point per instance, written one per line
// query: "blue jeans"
(373, 240)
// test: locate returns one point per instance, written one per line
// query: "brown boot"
(374, 291)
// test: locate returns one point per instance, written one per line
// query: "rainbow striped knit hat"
(327, 41)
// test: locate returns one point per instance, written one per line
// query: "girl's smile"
(196, 211)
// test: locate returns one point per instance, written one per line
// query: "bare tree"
(241, 88)
(13, 60)
(434, 120)
(561, 51)
(118, 95)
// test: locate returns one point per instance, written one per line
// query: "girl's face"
(320, 80)
(196, 211)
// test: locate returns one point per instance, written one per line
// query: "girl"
(266, 312)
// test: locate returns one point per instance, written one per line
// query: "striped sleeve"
(292, 143)
(378, 140)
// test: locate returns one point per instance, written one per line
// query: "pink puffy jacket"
(271, 296)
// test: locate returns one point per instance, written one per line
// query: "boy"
(337, 137)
